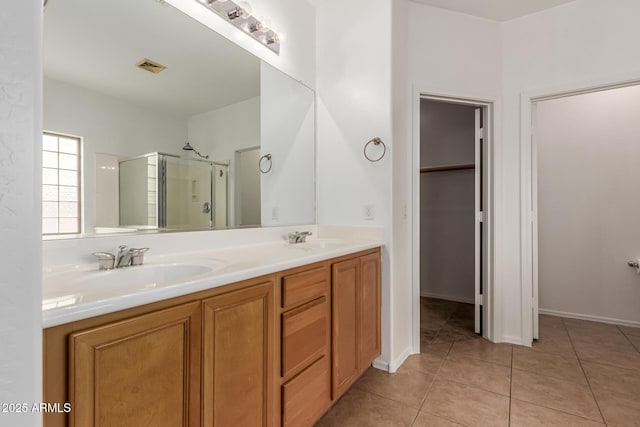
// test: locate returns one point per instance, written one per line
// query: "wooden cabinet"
(355, 288)
(276, 350)
(139, 372)
(238, 356)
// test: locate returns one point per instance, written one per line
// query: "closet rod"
(447, 168)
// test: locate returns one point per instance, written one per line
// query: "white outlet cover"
(275, 212)
(369, 212)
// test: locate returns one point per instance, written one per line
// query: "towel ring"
(375, 141)
(265, 157)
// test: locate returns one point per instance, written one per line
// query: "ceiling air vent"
(149, 65)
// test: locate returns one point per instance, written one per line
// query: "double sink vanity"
(264, 334)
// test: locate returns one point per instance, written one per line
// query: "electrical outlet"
(275, 213)
(369, 212)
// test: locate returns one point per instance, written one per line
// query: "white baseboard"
(579, 316)
(511, 340)
(395, 364)
(447, 297)
(383, 365)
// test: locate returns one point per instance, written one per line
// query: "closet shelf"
(447, 168)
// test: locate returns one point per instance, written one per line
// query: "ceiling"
(95, 44)
(496, 10)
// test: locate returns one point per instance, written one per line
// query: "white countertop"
(79, 292)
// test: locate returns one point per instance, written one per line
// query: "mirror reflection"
(170, 123)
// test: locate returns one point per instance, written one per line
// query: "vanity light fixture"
(238, 13)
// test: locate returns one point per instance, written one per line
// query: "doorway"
(452, 219)
(247, 188)
(584, 151)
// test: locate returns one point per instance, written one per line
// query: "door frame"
(528, 189)
(489, 108)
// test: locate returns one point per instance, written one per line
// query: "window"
(60, 184)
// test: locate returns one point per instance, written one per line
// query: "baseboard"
(378, 363)
(601, 319)
(447, 297)
(395, 364)
(511, 340)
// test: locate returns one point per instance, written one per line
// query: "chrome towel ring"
(375, 141)
(266, 157)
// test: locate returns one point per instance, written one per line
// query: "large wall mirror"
(154, 121)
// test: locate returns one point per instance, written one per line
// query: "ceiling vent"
(149, 65)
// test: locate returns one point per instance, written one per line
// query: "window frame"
(79, 182)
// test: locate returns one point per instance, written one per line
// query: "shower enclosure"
(159, 190)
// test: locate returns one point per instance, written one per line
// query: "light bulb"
(257, 27)
(266, 24)
(275, 38)
(238, 12)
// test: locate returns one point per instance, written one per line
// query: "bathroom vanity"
(275, 349)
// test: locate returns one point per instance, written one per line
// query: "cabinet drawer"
(304, 335)
(305, 286)
(307, 396)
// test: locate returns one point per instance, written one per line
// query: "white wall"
(20, 207)
(588, 150)
(108, 125)
(287, 132)
(447, 202)
(294, 21)
(579, 44)
(220, 133)
(353, 106)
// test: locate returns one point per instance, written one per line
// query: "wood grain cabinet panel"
(308, 395)
(238, 358)
(355, 287)
(345, 324)
(139, 372)
(370, 347)
(304, 286)
(304, 335)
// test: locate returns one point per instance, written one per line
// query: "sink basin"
(319, 244)
(148, 276)
(93, 285)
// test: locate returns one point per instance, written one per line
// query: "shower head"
(188, 147)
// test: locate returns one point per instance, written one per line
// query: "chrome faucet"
(299, 236)
(124, 258)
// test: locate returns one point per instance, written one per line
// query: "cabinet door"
(139, 372)
(238, 356)
(369, 309)
(344, 287)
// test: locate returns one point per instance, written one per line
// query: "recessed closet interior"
(447, 220)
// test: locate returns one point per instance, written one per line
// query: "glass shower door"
(187, 193)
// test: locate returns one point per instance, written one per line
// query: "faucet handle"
(106, 261)
(137, 255)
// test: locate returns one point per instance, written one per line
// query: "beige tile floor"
(578, 373)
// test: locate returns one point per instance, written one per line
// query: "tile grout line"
(628, 339)
(585, 374)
